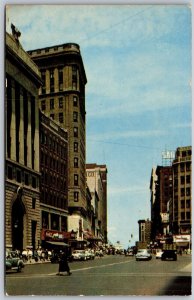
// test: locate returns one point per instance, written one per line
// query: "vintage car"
(79, 255)
(143, 254)
(13, 261)
(158, 253)
(169, 255)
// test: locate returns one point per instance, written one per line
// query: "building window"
(188, 215)
(75, 147)
(75, 131)
(182, 180)
(33, 203)
(76, 179)
(75, 101)
(60, 79)
(182, 216)
(52, 81)
(188, 203)
(43, 105)
(26, 179)
(43, 77)
(52, 116)
(182, 192)
(188, 179)
(188, 166)
(182, 167)
(18, 176)
(61, 102)
(9, 172)
(74, 77)
(76, 196)
(52, 105)
(75, 162)
(188, 191)
(75, 116)
(61, 117)
(33, 182)
(182, 204)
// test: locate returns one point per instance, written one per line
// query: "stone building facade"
(97, 183)
(22, 173)
(62, 98)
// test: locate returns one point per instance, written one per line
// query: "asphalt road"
(111, 275)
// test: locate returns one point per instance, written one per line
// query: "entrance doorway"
(18, 211)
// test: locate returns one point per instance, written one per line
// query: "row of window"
(185, 215)
(54, 181)
(21, 177)
(53, 145)
(186, 192)
(54, 200)
(57, 103)
(52, 81)
(55, 221)
(185, 204)
(54, 164)
(183, 167)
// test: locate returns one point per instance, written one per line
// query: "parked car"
(169, 255)
(158, 253)
(79, 255)
(13, 261)
(143, 254)
(90, 254)
(129, 252)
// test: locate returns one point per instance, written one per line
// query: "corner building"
(62, 98)
(22, 174)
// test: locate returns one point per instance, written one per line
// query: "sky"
(137, 60)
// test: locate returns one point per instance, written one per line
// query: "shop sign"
(181, 238)
(53, 235)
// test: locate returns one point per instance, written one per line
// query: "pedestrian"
(63, 265)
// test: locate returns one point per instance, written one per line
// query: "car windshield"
(142, 250)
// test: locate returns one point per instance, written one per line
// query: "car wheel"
(19, 269)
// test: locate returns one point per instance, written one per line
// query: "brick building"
(54, 179)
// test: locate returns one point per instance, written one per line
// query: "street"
(110, 275)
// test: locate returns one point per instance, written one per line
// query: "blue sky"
(138, 96)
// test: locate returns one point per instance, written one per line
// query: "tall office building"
(62, 98)
(22, 174)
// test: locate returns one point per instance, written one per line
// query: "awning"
(58, 243)
(94, 239)
(182, 244)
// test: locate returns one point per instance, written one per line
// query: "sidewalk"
(32, 261)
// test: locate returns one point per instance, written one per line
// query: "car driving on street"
(79, 255)
(143, 254)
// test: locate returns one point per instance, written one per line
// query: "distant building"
(181, 205)
(145, 231)
(161, 192)
(22, 172)
(62, 98)
(97, 183)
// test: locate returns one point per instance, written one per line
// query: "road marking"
(101, 274)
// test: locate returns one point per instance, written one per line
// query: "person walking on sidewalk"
(63, 265)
